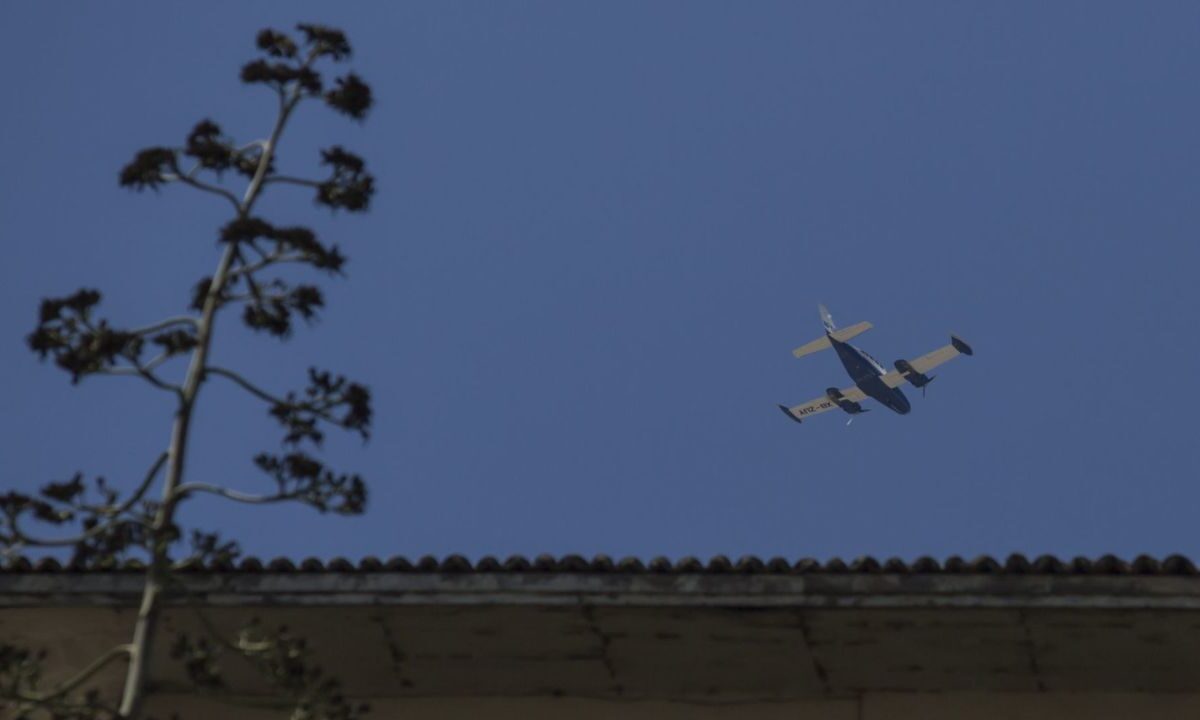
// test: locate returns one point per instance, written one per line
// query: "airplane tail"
(827, 319)
(831, 333)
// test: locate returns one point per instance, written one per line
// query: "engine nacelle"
(910, 374)
(849, 406)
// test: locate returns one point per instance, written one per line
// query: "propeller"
(860, 412)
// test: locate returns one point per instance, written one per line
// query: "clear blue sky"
(600, 230)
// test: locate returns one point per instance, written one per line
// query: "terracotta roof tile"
(1012, 565)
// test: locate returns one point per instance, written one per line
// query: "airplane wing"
(822, 404)
(929, 361)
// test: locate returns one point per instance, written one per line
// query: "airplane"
(870, 379)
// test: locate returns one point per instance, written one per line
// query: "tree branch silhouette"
(70, 334)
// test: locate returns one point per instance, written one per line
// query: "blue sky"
(601, 228)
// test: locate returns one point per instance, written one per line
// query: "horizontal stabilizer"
(848, 332)
(819, 344)
(822, 343)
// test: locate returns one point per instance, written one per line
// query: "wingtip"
(960, 345)
(788, 412)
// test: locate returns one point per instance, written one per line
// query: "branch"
(157, 360)
(316, 410)
(81, 677)
(234, 495)
(22, 539)
(287, 103)
(267, 260)
(144, 373)
(200, 185)
(246, 385)
(137, 369)
(164, 324)
(255, 290)
(294, 181)
(252, 243)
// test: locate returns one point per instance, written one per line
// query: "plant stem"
(156, 574)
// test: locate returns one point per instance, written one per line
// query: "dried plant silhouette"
(136, 522)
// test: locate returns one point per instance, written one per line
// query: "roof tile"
(1015, 564)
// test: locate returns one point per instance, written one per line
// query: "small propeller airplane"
(870, 379)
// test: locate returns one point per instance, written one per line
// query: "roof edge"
(884, 590)
(1014, 564)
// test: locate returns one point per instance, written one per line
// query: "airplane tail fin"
(827, 319)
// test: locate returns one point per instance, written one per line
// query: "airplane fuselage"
(867, 375)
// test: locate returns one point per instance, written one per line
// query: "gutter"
(64, 589)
